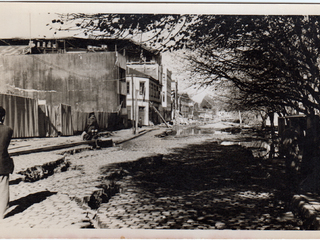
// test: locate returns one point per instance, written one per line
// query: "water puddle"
(258, 148)
(229, 143)
(183, 131)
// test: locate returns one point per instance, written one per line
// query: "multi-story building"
(174, 100)
(56, 72)
(185, 105)
(87, 74)
(145, 71)
(65, 71)
(166, 94)
(143, 96)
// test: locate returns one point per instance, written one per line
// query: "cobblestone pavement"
(56, 201)
(199, 184)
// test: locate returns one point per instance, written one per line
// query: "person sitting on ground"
(6, 163)
(91, 130)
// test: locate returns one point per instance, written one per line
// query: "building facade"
(56, 74)
(146, 74)
(166, 94)
(89, 75)
(185, 105)
(143, 95)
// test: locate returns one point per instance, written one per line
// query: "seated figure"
(92, 128)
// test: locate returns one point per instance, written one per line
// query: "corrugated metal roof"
(14, 50)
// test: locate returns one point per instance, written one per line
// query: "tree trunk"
(309, 146)
(264, 117)
(240, 118)
(272, 150)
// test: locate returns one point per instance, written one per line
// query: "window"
(123, 101)
(128, 87)
(154, 91)
(151, 90)
(141, 88)
(122, 74)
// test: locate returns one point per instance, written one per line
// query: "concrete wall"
(86, 81)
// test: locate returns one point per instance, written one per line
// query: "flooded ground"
(259, 147)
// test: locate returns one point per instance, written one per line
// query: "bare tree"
(273, 59)
(159, 31)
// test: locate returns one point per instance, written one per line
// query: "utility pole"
(174, 105)
(136, 111)
(176, 101)
(132, 107)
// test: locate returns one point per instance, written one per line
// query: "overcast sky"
(27, 20)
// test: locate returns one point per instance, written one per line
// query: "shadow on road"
(220, 186)
(27, 201)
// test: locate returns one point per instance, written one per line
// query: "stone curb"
(80, 144)
(308, 207)
(135, 136)
(58, 147)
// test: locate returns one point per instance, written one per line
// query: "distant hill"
(207, 102)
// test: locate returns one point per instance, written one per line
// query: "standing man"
(6, 163)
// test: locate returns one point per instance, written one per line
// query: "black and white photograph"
(159, 120)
